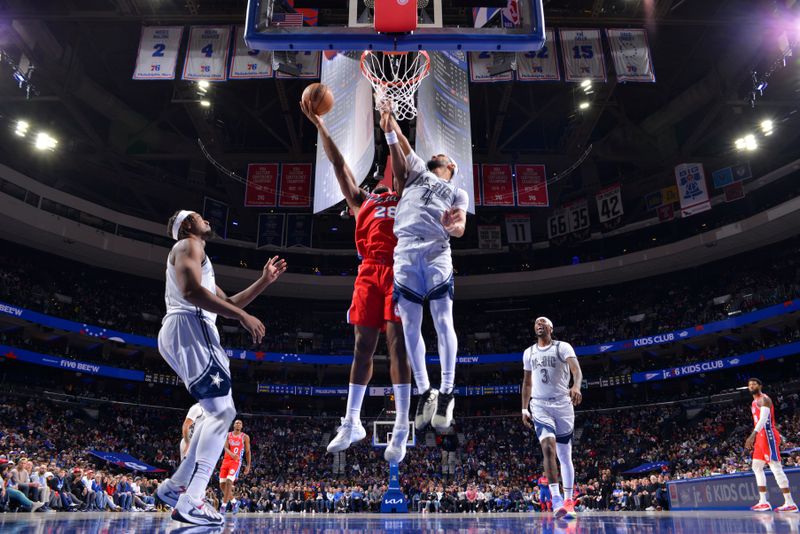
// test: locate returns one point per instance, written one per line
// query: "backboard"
(349, 25)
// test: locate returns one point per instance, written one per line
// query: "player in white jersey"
(189, 342)
(193, 418)
(432, 208)
(547, 406)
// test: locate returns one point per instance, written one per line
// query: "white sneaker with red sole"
(762, 507)
(787, 509)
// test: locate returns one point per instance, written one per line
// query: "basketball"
(319, 98)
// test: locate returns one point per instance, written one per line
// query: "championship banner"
(298, 229)
(498, 185)
(489, 237)
(540, 66)
(609, 203)
(121, 459)
(582, 54)
(443, 104)
(295, 185)
(158, 52)
(631, 54)
(531, 186)
(692, 189)
(270, 229)
(480, 64)
(262, 185)
(248, 64)
(306, 62)
(518, 228)
(476, 182)
(350, 124)
(207, 54)
(216, 213)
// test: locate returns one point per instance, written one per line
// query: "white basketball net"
(396, 76)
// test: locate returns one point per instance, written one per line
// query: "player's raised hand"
(254, 326)
(315, 119)
(526, 419)
(385, 109)
(274, 267)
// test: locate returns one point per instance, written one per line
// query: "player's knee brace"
(758, 470)
(780, 476)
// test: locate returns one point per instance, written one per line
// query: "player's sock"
(211, 440)
(184, 472)
(555, 491)
(402, 403)
(787, 499)
(442, 313)
(762, 497)
(355, 397)
(411, 315)
(564, 453)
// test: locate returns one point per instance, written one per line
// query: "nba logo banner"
(532, 186)
(207, 55)
(295, 185)
(498, 185)
(262, 185)
(158, 53)
(631, 54)
(542, 65)
(692, 189)
(249, 64)
(582, 53)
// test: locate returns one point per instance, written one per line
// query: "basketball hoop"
(396, 76)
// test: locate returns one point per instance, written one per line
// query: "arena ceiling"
(132, 144)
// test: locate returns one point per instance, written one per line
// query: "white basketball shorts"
(553, 419)
(423, 270)
(190, 345)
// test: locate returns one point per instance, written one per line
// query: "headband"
(547, 321)
(176, 226)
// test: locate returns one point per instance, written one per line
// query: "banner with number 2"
(207, 55)
(158, 52)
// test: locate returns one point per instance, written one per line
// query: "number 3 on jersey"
(545, 376)
(382, 212)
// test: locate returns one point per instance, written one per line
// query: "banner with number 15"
(158, 52)
(207, 55)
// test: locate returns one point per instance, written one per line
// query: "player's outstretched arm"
(188, 257)
(353, 195)
(526, 398)
(399, 167)
(273, 269)
(405, 146)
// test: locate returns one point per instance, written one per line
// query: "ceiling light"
(740, 144)
(750, 142)
(22, 128)
(203, 84)
(205, 103)
(45, 142)
(583, 105)
(586, 84)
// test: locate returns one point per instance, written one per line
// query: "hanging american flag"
(287, 19)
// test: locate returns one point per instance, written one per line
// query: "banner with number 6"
(582, 53)
(207, 55)
(609, 203)
(249, 64)
(158, 53)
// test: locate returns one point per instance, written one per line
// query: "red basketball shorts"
(372, 302)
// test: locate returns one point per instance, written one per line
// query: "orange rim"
(410, 81)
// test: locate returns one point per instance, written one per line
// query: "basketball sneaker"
(569, 506)
(426, 406)
(443, 418)
(787, 509)
(196, 512)
(559, 506)
(396, 450)
(762, 507)
(347, 434)
(169, 492)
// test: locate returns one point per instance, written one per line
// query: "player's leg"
(565, 425)
(400, 373)
(439, 284)
(761, 482)
(544, 423)
(224, 470)
(773, 442)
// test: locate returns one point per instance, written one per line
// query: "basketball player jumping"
(547, 406)
(193, 418)
(372, 309)
(189, 342)
(237, 445)
(432, 208)
(767, 443)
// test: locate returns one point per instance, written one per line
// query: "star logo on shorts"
(216, 380)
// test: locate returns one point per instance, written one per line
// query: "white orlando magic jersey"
(425, 198)
(550, 370)
(174, 296)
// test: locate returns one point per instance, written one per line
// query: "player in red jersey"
(767, 443)
(237, 445)
(372, 309)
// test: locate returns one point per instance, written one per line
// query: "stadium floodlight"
(586, 84)
(22, 128)
(740, 144)
(203, 84)
(750, 142)
(583, 105)
(205, 103)
(767, 126)
(45, 141)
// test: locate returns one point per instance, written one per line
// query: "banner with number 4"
(158, 53)
(609, 203)
(207, 55)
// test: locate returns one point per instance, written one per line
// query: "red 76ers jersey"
(236, 446)
(375, 237)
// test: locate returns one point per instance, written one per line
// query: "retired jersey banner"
(295, 185)
(542, 65)
(248, 64)
(498, 185)
(270, 229)
(631, 54)
(306, 62)
(582, 53)
(476, 182)
(518, 228)
(531, 186)
(489, 237)
(207, 55)
(578, 214)
(158, 52)
(480, 64)
(216, 213)
(262, 185)
(692, 189)
(609, 203)
(299, 229)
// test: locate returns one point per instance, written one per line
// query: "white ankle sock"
(355, 397)
(402, 402)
